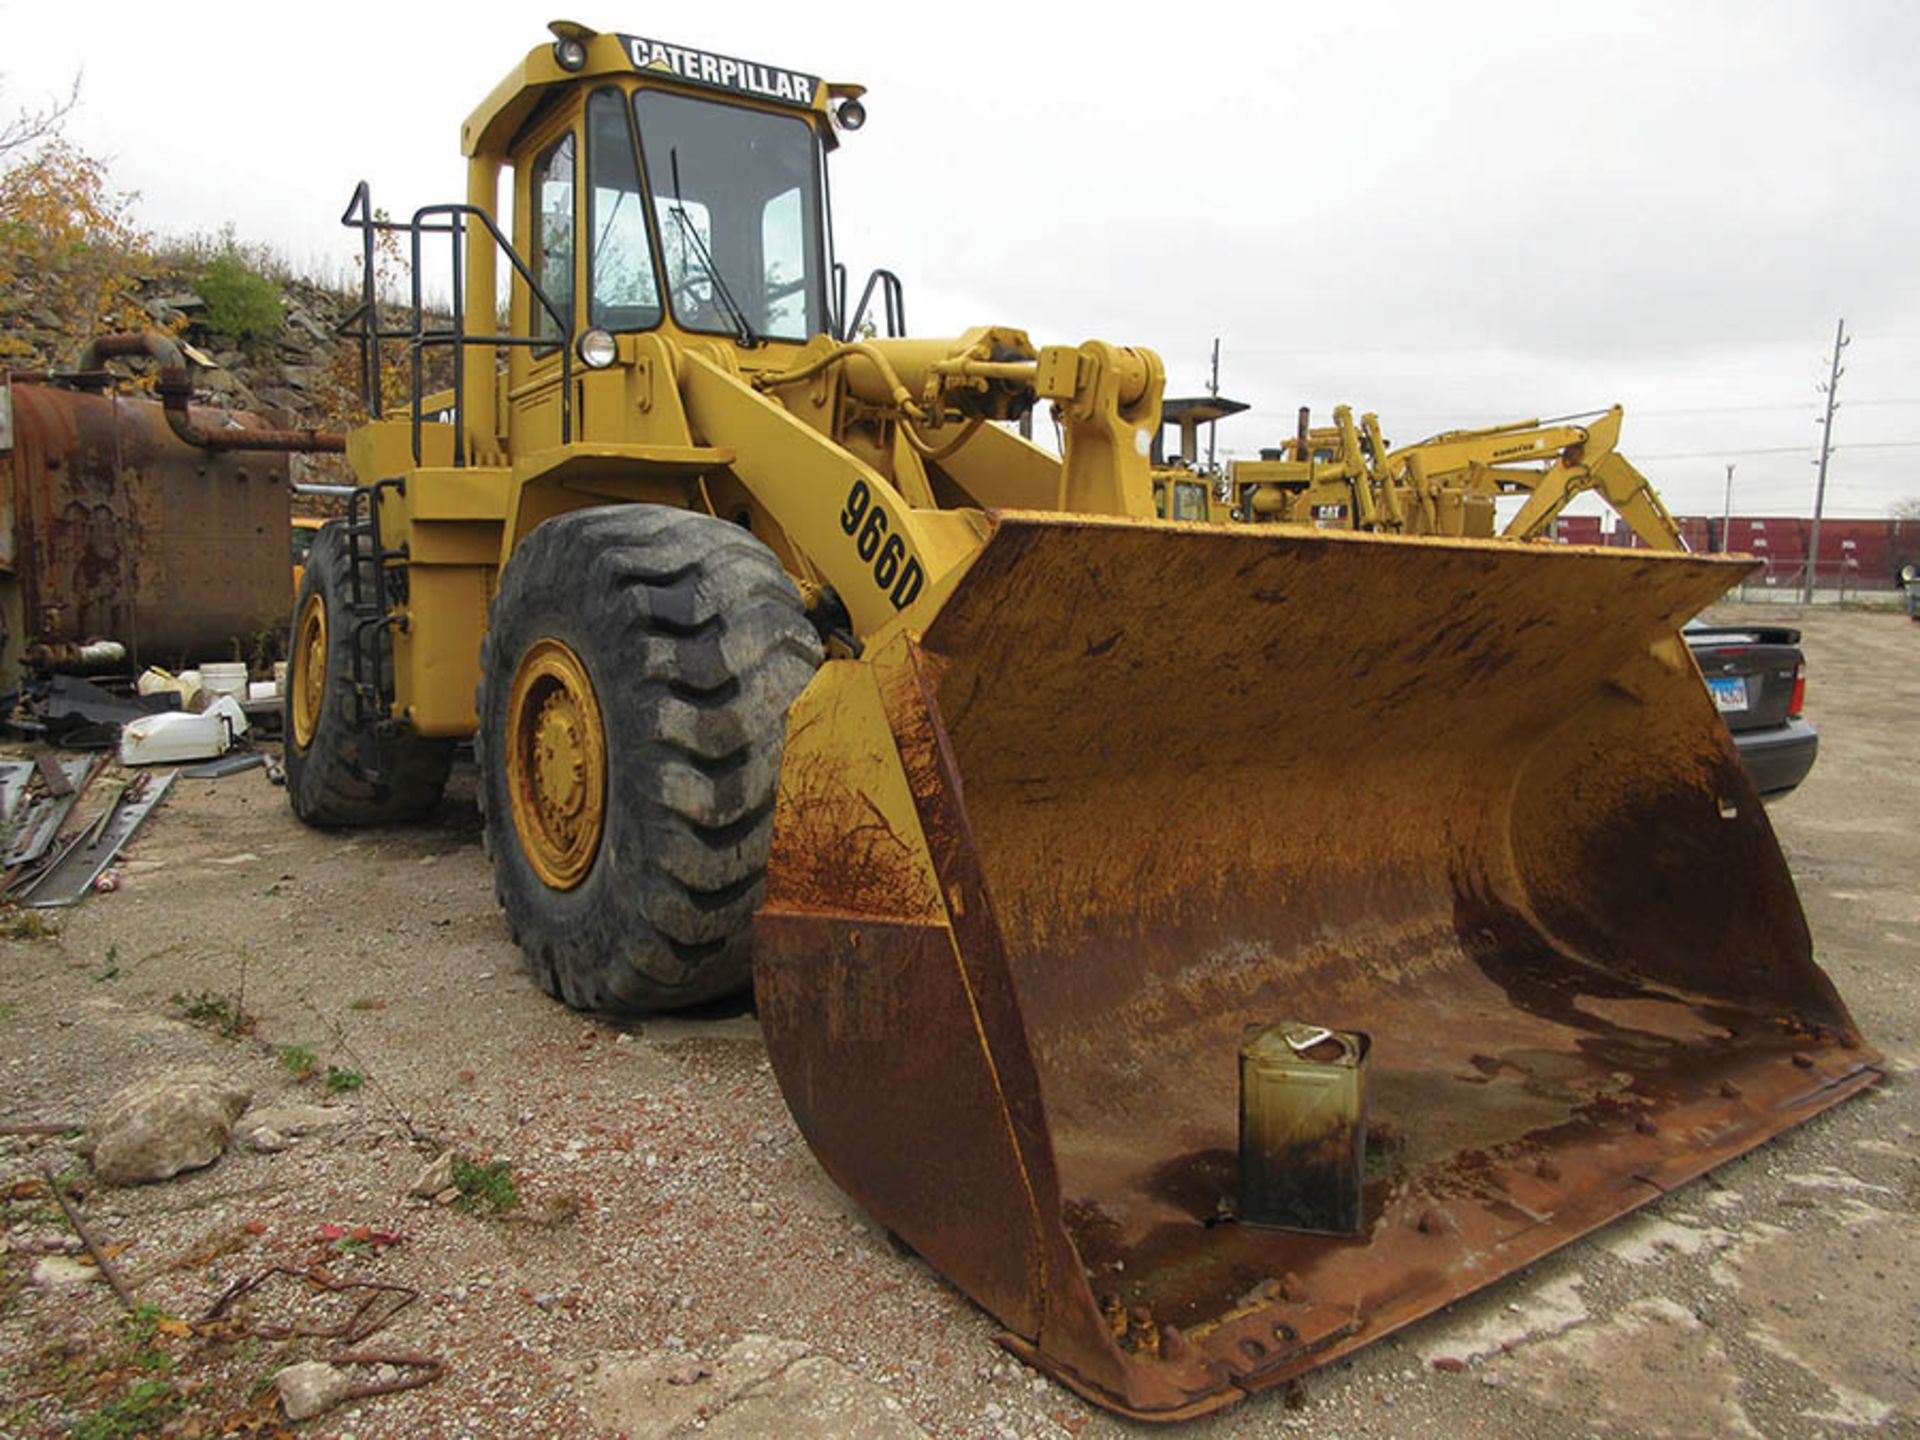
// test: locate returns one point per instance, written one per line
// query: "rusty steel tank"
(150, 522)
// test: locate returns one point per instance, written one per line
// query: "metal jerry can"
(1303, 1128)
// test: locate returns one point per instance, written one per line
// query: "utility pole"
(1832, 389)
(1213, 389)
(1726, 514)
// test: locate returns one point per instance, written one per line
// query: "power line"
(1258, 413)
(1784, 450)
(1770, 405)
(1722, 454)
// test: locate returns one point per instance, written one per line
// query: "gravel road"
(677, 1263)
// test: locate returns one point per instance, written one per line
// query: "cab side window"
(552, 185)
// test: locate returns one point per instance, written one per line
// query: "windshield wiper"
(739, 317)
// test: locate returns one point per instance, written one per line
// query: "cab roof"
(491, 127)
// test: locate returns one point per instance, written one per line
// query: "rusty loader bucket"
(1140, 788)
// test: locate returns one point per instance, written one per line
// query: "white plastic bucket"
(224, 677)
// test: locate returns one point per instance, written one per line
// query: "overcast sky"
(1451, 214)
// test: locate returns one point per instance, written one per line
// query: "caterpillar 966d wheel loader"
(1024, 803)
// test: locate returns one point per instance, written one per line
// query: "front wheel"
(638, 669)
(342, 768)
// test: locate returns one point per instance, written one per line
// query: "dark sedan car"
(1758, 679)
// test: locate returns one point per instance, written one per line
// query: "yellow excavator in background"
(1345, 475)
(785, 663)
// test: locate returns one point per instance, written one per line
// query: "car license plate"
(1729, 692)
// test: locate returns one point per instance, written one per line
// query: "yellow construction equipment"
(1347, 476)
(1037, 821)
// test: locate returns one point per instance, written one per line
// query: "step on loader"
(1210, 946)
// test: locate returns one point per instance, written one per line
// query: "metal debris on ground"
(231, 764)
(51, 775)
(429, 1368)
(35, 830)
(374, 1312)
(14, 775)
(85, 859)
(100, 1256)
(80, 715)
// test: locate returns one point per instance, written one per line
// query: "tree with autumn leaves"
(69, 248)
(74, 263)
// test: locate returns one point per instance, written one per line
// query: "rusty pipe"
(176, 394)
(75, 658)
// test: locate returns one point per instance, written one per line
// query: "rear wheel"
(342, 769)
(639, 664)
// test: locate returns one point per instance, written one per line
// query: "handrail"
(362, 324)
(893, 300)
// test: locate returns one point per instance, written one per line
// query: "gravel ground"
(678, 1261)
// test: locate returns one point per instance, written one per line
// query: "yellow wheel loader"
(1211, 947)
(1346, 474)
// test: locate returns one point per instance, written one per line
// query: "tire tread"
(697, 644)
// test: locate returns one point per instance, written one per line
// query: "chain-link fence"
(1834, 583)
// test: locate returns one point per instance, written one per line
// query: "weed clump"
(222, 1014)
(485, 1189)
(18, 923)
(131, 1378)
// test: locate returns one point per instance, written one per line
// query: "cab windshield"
(736, 205)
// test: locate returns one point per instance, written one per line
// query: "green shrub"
(241, 302)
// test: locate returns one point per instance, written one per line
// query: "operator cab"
(658, 186)
(656, 190)
(695, 211)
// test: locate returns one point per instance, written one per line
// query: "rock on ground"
(164, 1124)
(310, 1389)
(57, 1272)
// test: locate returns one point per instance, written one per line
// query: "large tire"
(342, 770)
(639, 664)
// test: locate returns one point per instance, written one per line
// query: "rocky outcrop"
(301, 377)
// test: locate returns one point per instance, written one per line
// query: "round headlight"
(851, 115)
(597, 350)
(570, 53)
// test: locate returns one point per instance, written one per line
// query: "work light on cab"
(597, 349)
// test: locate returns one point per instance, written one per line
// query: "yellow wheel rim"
(556, 763)
(308, 683)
